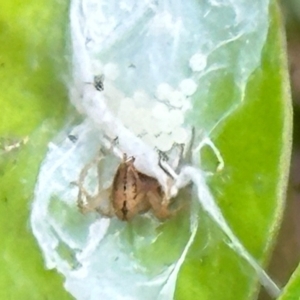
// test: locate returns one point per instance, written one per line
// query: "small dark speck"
(115, 141)
(98, 82)
(117, 258)
(88, 40)
(132, 66)
(2, 65)
(72, 138)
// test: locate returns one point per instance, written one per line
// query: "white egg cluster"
(159, 119)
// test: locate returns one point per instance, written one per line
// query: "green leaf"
(292, 289)
(33, 104)
(255, 141)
